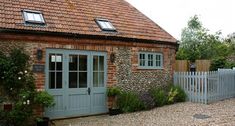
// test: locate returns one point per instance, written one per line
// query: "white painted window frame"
(108, 25)
(27, 20)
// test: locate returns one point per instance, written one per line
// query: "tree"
(230, 40)
(197, 43)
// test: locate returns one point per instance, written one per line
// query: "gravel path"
(221, 113)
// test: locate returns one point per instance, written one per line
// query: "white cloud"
(172, 15)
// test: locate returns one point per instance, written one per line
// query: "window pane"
(58, 79)
(102, 24)
(158, 63)
(59, 63)
(109, 25)
(142, 56)
(101, 79)
(150, 59)
(51, 80)
(95, 63)
(158, 60)
(95, 79)
(82, 63)
(142, 59)
(73, 79)
(82, 79)
(73, 62)
(37, 17)
(53, 58)
(142, 62)
(158, 57)
(51, 62)
(30, 16)
(101, 63)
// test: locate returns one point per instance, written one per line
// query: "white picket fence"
(207, 87)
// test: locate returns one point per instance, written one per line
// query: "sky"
(173, 15)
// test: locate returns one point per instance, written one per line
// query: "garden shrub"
(130, 102)
(176, 94)
(221, 62)
(147, 100)
(218, 62)
(44, 99)
(113, 91)
(17, 87)
(160, 96)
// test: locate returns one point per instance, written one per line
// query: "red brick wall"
(32, 42)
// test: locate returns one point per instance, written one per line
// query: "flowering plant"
(18, 88)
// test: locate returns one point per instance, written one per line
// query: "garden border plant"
(113, 93)
(129, 101)
(169, 95)
(17, 87)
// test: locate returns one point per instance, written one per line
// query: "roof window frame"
(99, 20)
(28, 21)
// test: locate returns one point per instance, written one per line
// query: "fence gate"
(207, 87)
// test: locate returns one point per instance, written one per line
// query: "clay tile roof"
(78, 17)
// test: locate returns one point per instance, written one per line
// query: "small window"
(33, 17)
(142, 59)
(105, 25)
(150, 60)
(55, 71)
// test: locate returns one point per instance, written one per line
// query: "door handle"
(89, 91)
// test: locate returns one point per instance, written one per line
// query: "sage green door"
(79, 84)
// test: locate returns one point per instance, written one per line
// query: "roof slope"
(77, 17)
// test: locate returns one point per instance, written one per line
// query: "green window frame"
(150, 60)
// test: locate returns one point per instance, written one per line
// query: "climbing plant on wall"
(18, 89)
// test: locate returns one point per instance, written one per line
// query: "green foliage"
(17, 87)
(230, 64)
(130, 102)
(113, 91)
(44, 99)
(198, 43)
(168, 95)
(176, 94)
(218, 62)
(160, 96)
(221, 62)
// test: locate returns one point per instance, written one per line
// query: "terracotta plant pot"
(110, 101)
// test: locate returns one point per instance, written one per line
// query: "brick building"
(80, 47)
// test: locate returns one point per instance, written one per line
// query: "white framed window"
(149, 60)
(105, 25)
(33, 17)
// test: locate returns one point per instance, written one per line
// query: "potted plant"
(112, 93)
(44, 100)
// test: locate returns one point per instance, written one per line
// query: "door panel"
(77, 81)
(77, 91)
(99, 83)
(54, 83)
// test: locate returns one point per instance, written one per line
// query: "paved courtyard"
(221, 113)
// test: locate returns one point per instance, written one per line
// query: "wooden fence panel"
(203, 65)
(182, 65)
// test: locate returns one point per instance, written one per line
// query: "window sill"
(150, 68)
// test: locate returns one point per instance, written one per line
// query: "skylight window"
(105, 25)
(33, 17)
